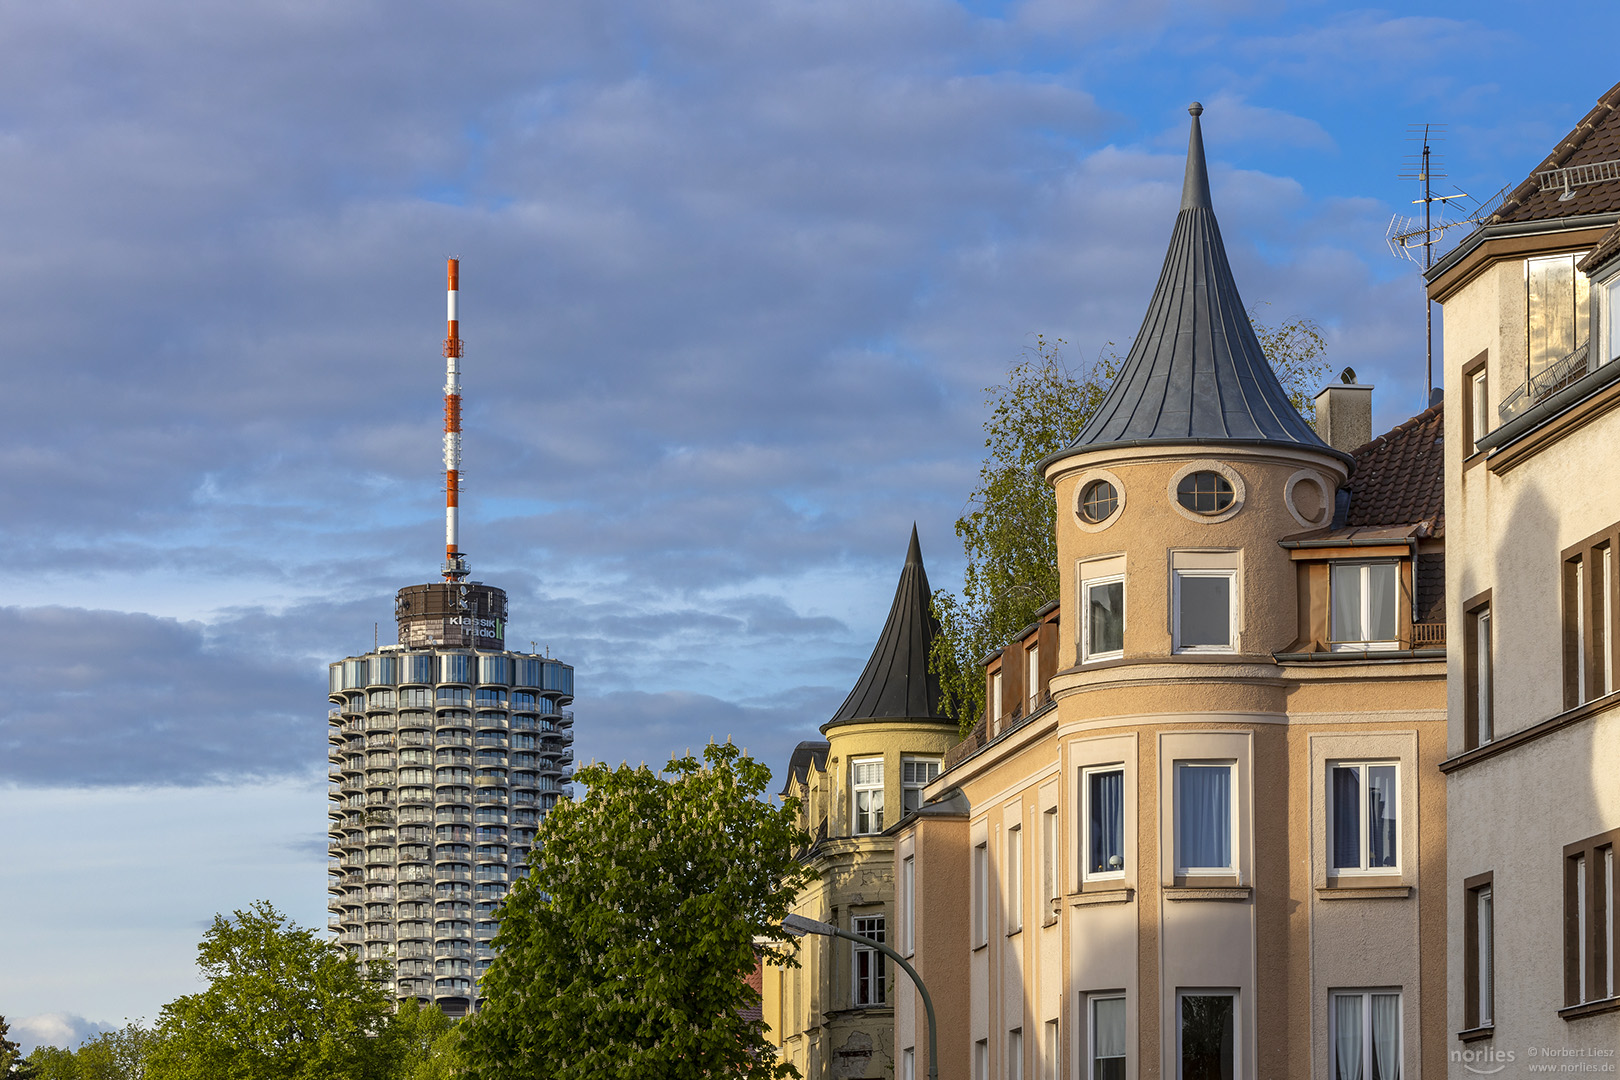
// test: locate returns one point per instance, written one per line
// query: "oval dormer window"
(1204, 492)
(1099, 501)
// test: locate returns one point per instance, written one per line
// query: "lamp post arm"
(928, 1002)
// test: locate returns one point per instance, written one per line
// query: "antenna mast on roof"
(455, 563)
(1405, 234)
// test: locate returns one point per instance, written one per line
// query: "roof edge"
(1046, 463)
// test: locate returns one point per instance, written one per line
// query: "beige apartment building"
(1530, 304)
(833, 1016)
(1200, 832)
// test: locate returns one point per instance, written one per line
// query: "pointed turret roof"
(897, 683)
(1196, 372)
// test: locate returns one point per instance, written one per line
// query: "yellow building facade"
(1200, 832)
(833, 1016)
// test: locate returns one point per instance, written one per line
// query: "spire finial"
(1195, 188)
(914, 552)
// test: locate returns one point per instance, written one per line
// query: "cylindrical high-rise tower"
(446, 751)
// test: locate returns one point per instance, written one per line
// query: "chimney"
(1344, 413)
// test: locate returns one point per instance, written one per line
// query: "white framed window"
(1015, 879)
(1206, 1034)
(1106, 1037)
(1479, 387)
(1032, 682)
(1364, 1034)
(1049, 1050)
(916, 774)
(1363, 598)
(1205, 610)
(1611, 309)
(981, 1060)
(1364, 819)
(1484, 720)
(1051, 889)
(1102, 619)
(981, 894)
(870, 968)
(1015, 1054)
(1205, 800)
(1102, 796)
(908, 905)
(866, 788)
(995, 696)
(908, 1064)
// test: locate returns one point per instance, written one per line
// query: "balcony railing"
(1429, 635)
(1549, 380)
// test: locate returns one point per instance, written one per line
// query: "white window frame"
(1237, 1024)
(1049, 1050)
(908, 905)
(1177, 575)
(878, 990)
(1366, 997)
(981, 893)
(1086, 655)
(1231, 820)
(995, 695)
(1088, 874)
(1015, 1054)
(857, 789)
(1479, 387)
(1091, 1032)
(981, 1060)
(1032, 678)
(1361, 824)
(1365, 615)
(1051, 870)
(908, 1064)
(930, 768)
(1484, 665)
(1015, 879)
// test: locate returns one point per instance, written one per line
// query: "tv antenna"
(1406, 235)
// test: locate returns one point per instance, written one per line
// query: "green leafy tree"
(631, 961)
(430, 1043)
(281, 1004)
(1008, 531)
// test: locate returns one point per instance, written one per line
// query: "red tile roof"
(1596, 138)
(1400, 477)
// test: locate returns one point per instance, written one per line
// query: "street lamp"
(798, 926)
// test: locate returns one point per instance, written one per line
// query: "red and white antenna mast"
(455, 564)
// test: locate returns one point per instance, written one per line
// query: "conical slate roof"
(896, 683)
(1196, 372)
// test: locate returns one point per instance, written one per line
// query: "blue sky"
(735, 277)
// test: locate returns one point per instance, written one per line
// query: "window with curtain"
(1364, 816)
(1015, 879)
(908, 905)
(981, 894)
(1362, 596)
(1204, 609)
(1365, 1034)
(1104, 796)
(1108, 1037)
(1203, 818)
(1589, 919)
(871, 986)
(866, 784)
(1102, 636)
(1207, 1035)
(1050, 886)
(1015, 1054)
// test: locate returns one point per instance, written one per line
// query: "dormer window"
(1204, 492)
(1556, 309)
(1363, 598)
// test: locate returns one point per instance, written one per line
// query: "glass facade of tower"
(444, 758)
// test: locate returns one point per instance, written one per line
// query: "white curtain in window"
(1205, 815)
(1487, 933)
(1108, 1027)
(1386, 1036)
(1347, 1037)
(1381, 580)
(1345, 585)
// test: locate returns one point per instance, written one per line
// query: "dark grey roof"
(1196, 372)
(809, 754)
(897, 683)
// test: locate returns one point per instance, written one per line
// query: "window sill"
(1590, 1008)
(1476, 1034)
(1015, 931)
(1362, 891)
(1227, 893)
(1102, 896)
